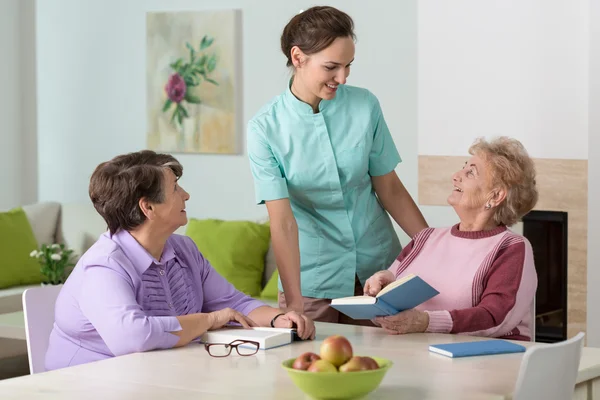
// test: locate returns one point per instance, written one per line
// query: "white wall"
(18, 172)
(593, 271)
(91, 87)
(28, 84)
(10, 106)
(511, 67)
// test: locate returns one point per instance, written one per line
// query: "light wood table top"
(189, 372)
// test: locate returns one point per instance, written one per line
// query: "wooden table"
(12, 325)
(190, 373)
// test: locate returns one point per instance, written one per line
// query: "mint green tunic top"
(323, 162)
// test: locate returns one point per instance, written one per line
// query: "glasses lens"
(219, 350)
(247, 349)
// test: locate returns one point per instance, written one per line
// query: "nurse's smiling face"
(318, 75)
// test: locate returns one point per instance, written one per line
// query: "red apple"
(336, 349)
(304, 360)
(370, 362)
(355, 364)
(322, 366)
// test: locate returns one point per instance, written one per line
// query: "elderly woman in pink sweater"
(484, 272)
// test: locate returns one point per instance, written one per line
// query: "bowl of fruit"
(336, 372)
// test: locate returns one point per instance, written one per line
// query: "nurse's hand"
(378, 281)
(305, 327)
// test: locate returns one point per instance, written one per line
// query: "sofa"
(78, 226)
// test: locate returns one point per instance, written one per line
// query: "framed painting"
(192, 78)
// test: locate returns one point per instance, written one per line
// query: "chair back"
(549, 371)
(533, 320)
(38, 311)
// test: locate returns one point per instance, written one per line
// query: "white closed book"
(267, 338)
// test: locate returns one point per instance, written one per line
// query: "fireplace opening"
(547, 233)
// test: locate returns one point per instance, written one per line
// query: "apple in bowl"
(335, 355)
(322, 366)
(336, 349)
(305, 360)
(359, 363)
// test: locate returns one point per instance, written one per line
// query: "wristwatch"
(274, 318)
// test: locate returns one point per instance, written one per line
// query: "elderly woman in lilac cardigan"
(484, 272)
(140, 287)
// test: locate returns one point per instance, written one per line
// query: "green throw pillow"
(270, 290)
(235, 249)
(16, 243)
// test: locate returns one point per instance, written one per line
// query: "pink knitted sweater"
(486, 279)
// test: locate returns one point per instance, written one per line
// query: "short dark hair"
(315, 29)
(116, 186)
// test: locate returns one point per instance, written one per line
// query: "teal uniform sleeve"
(384, 156)
(269, 182)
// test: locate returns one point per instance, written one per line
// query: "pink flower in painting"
(176, 88)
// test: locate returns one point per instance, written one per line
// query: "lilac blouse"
(120, 300)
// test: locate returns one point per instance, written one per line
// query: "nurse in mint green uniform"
(323, 162)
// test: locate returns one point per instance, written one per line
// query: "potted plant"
(55, 262)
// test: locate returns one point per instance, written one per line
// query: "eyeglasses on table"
(243, 348)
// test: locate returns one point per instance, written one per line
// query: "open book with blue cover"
(400, 295)
(477, 348)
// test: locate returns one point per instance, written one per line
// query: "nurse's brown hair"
(314, 30)
(117, 185)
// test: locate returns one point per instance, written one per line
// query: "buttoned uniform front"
(323, 162)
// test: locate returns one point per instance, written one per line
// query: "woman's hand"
(378, 281)
(220, 318)
(304, 325)
(409, 321)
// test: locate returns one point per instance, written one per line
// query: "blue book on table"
(480, 348)
(403, 294)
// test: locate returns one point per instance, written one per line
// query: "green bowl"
(338, 385)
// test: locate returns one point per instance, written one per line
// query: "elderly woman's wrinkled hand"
(409, 321)
(378, 281)
(305, 327)
(220, 318)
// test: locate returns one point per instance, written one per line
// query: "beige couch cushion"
(80, 226)
(43, 218)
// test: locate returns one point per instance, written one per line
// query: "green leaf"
(192, 51)
(177, 64)
(212, 81)
(206, 42)
(190, 98)
(191, 80)
(202, 60)
(199, 71)
(212, 63)
(175, 113)
(183, 112)
(167, 105)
